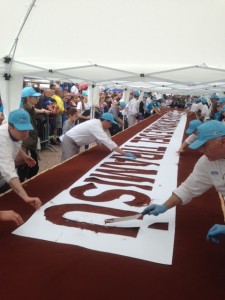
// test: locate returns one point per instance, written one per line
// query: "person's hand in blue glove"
(154, 209)
(215, 233)
(130, 155)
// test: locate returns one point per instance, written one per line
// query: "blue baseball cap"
(122, 104)
(193, 126)
(108, 117)
(85, 92)
(221, 100)
(214, 96)
(29, 91)
(208, 131)
(203, 100)
(20, 119)
(136, 94)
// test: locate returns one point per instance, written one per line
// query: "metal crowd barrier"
(44, 130)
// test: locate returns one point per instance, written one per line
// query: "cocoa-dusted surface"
(36, 269)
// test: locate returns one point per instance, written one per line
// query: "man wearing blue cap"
(115, 110)
(91, 131)
(30, 99)
(209, 171)
(11, 135)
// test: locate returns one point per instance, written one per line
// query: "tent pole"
(14, 46)
(23, 24)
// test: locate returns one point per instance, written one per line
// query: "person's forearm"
(174, 200)
(22, 154)
(120, 121)
(18, 188)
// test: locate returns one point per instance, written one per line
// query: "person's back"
(194, 107)
(85, 133)
(94, 130)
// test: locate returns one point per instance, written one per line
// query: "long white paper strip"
(148, 244)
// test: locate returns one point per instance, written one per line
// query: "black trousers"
(24, 172)
(115, 129)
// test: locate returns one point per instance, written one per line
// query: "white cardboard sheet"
(149, 244)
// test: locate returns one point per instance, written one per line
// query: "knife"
(133, 217)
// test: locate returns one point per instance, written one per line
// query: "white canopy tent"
(167, 46)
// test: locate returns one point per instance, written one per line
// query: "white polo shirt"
(206, 174)
(8, 152)
(89, 132)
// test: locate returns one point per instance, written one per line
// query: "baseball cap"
(214, 96)
(136, 94)
(20, 119)
(85, 92)
(221, 100)
(208, 131)
(203, 100)
(122, 104)
(108, 117)
(193, 126)
(29, 91)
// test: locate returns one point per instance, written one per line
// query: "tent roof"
(177, 44)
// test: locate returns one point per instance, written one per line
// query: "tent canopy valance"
(167, 46)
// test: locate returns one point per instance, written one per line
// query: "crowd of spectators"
(61, 96)
(62, 106)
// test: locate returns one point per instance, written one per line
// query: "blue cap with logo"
(20, 119)
(108, 117)
(208, 131)
(193, 126)
(29, 91)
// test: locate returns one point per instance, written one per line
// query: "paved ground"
(49, 157)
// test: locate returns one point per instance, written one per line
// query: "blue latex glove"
(154, 209)
(215, 233)
(131, 155)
